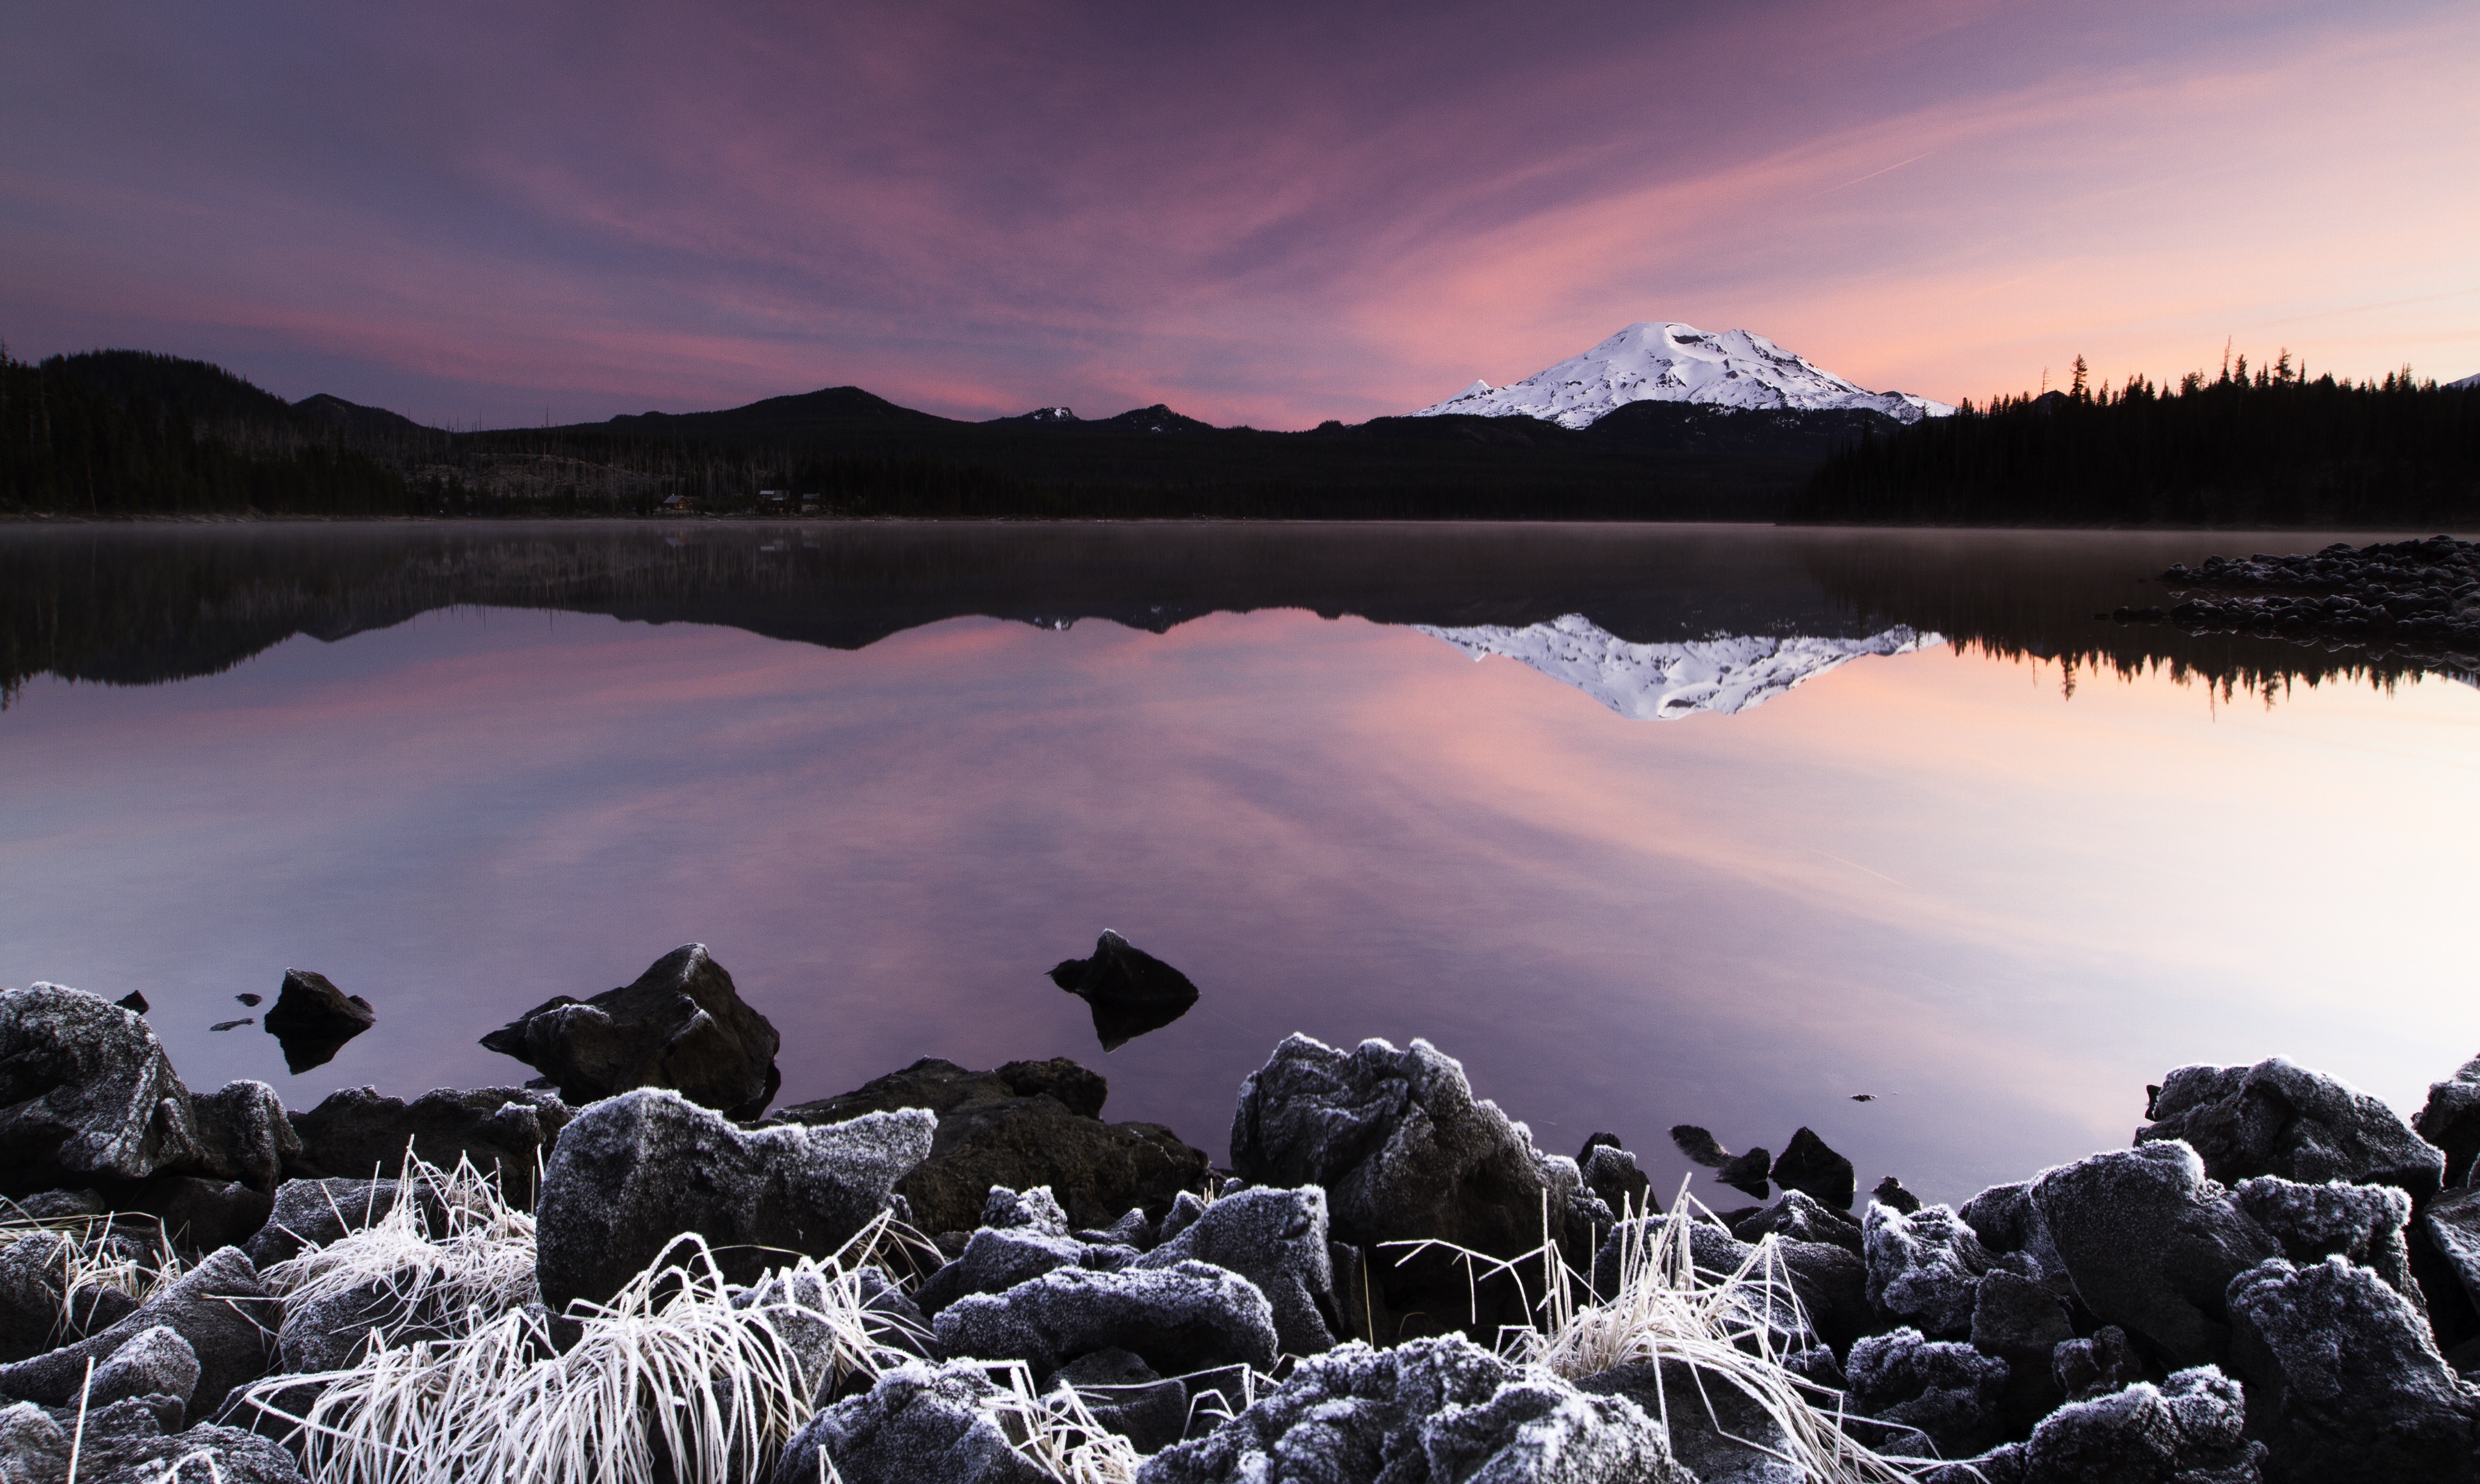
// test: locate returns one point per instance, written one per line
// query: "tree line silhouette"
(2271, 448)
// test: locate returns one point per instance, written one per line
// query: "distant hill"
(187, 388)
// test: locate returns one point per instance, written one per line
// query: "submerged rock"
(86, 1092)
(2279, 1118)
(681, 1025)
(1808, 1166)
(634, 1173)
(311, 1020)
(1890, 1194)
(1128, 990)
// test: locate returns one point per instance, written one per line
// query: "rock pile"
(2420, 599)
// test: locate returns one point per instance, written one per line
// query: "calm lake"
(1726, 825)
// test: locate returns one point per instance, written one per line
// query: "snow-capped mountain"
(1672, 362)
(2469, 383)
(1665, 682)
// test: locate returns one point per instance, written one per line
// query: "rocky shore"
(2419, 600)
(970, 1276)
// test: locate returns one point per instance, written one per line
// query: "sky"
(1271, 214)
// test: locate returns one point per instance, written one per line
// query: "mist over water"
(893, 774)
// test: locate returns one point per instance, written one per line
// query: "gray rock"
(1611, 1173)
(996, 1260)
(2095, 1366)
(33, 1448)
(2450, 1119)
(1036, 1209)
(1027, 1124)
(1278, 1240)
(358, 1134)
(2279, 1118)
(917, 1423)
(245, 1134)
(219, 1306)
(2005, 1220)
(154, 1362)
(201, 1215)
(1186, 1208)
(2151, 1245)
(316, 1213)
(1808, 1166)
(634, 1172)
(2187, 1430)
(86, 1090)
(2363, 1223)
(312, 1019)
(32, 1302)
(1925, 1268)
(2343, 1383)
(1718, 1432)
(1127, 1397)
(1186, 1317)
(2452, 1222)
(1798, 1216)
(1405, 1152)
(1950, 1391)
(1440, 1411)
(205, 1455)
(681, 1026)
(2022, 1321)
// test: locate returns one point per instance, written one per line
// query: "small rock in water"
(681, 1025)
(1699, 1146)
(1130, 991)
(1864, 1096)
(313, 1019)
(133, 1001)
(1807, 1165)
(252, 1001)
(1747, 1172)
(232, 1025)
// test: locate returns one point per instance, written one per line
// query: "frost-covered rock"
(1925, 1268)
(2096, 1365)
(2450, 1119)
(632, 1172)
(1718, 1432)
(245, 1134)
(358, 1134)
(681, 1025)
(205, 1455)
(2151, 1245)
(1611, 1173)
(33, 1450)
(1186, 1317)
(1278, 1240)
(2007, 1223)
(919, 1423)
(154, 1362)
(996, 1259)
(1036, 1210)
(1439, 1411)
(1950, 1391)
(2343, 1383)
(218, 1306)
(2186, 1431)
(2451, 1222)
(86, 1090)
(2279, 1118)
(2363, 1223)
(1797, 1215)
(1127, 1397)
(316, 1212)
(32, 1296)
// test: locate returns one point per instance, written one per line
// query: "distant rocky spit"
(2276, 1282)
(2412, 600)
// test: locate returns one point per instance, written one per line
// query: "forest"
(2267, 449)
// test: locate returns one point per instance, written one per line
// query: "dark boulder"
(2096, 1366)
(358, 1134)
(1440, 1411)
(1925, 1269)
(2343, 1381)
(243, 1135)
(1746, 1172)
(1718, 1431)
(219, 1307)
(2022, 1321)
(312, 1019)
(1890, 1194)
(154, 1362)
(86, 1093)
(918, 1424)
(1127, 1397)
(133, 1001)
(1028, 1124)
(198, 1215)
(1278, 1240)
(316, 1212)
(1698, 1146)
(2451, 1120)
(2151, 1245)
(2452, 1226)
(997, 1259)
(680, 1025)
(634, 1173)
(1808, 1166)
(1188, 1316)
(33, 1447)
(2363, 1223)
(1128, 990)
(1950, 1391)
(2186, 1431)
(2279, 1118)
(1612, 1174)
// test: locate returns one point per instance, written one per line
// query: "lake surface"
(1726, 827)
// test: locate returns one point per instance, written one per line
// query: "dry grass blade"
(99, 1252)
(680, 1375)
(478, 1265)
(1056, 1431)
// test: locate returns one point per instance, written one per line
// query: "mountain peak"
(1662, 360)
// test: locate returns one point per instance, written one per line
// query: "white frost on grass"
(1665, 682)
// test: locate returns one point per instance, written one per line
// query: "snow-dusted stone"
(31, 1297)
(358, 1134)
(245, 1134)
(2279, 1118)
(2096, 1367)
(316, 1213)
(1718, 1432)
(86, 1090)
(996, 1259)
(1278, 1240)
(205, 1455)
(2363, 1223)
(154, 1362)
(681, 1025)
(1186, 1317)
(33, 1450)
(918, 1424)
(1127, 1397)
(1798, 1216)
(1439, 1411)
(1925, 1268)
(2450, 1119)
(2007, 1223)
(1405, 1152)
(218, 1306)
(2151, 1245)
(2451, 1222)
(2186, 1431)
(1611, 1173)
(632, 1172)
(2343, 1383)
(1035, 1210)
(1951, 1392)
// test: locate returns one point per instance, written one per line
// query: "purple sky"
(1266, 213)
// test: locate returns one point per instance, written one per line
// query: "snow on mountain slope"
(1672, 362)
(2469, 383)
(1728, 673)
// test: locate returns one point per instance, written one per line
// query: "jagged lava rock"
(154, 1362)
(205, 1455)
(1185, 1317)
(1925, 1266)
(997, 1259)
(1795, 1215)
(2151, 1245)
(1127, 1397)
(243, 1135)
(2363, 1223)
(312, 1019)
(2186, 1431)
(632, 1172)
(681, 1025)
(1027, 1124)
(2096, 1365)
(2343, 1381)
(358, 1134)
(2279, 1118)
(2022, 1321)
(2452, 1222)
(1128, 990)
(1890, 1194)
(86, 1092)
(2450, 1119)
(1718, 1432)
(1278, 1240)
(218, 1306)
(1437, 1411)
(1808, 1166)
(918, 1424)
(1951, 1392)
(1611, 1173)
(316, 1212)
